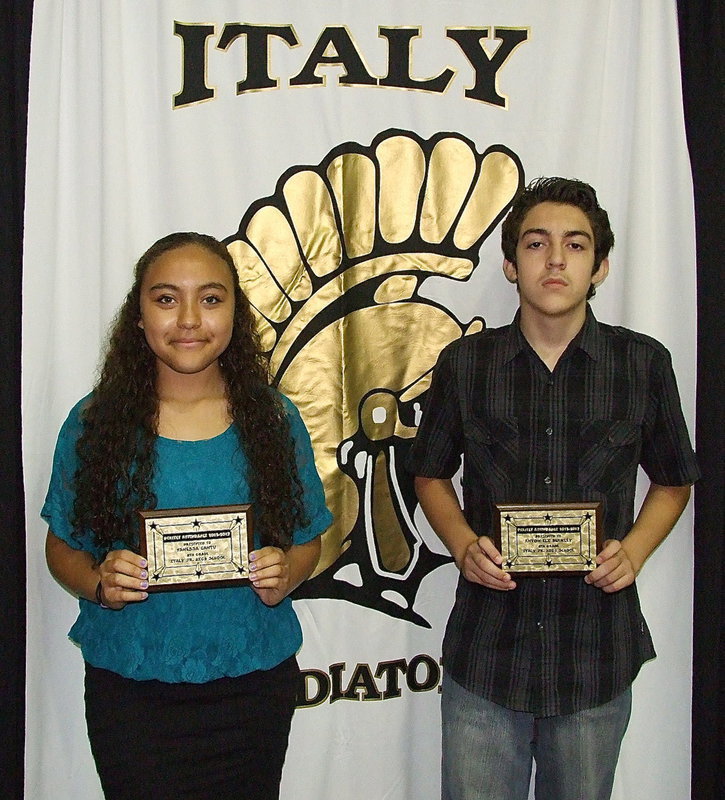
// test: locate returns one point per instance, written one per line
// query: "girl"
(188, 694)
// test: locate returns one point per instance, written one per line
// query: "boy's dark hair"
(558, 190)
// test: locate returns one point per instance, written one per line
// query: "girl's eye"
(164, 299)
(212, 300)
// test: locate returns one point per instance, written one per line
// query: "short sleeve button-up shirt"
(528, 435)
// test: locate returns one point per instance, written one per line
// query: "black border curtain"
(15, 24)
(701, 54)
(701, 46)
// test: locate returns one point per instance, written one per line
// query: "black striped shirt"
(528, 435)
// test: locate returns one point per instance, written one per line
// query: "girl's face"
(187, 310)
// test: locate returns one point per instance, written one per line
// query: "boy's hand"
(482, 564)
(615, 570)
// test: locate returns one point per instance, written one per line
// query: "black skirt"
(223, 740)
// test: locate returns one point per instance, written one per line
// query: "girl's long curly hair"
(116, 454)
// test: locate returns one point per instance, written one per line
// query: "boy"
(553, 408)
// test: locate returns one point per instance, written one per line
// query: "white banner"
(371, 147)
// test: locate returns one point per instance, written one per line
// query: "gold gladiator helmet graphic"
(332, 263)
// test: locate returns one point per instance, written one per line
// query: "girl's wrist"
(99, 595)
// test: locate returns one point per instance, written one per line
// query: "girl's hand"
(124, 579)
(274, 573)
(270, 574)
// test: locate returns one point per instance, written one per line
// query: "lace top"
(188, 636)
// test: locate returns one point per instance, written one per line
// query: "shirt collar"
(514, 341)
(589, 338)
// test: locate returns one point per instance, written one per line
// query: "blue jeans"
(488, 749)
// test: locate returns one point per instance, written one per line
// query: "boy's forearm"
(443, 511)
(660, 510)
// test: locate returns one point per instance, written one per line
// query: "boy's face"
(554, 261)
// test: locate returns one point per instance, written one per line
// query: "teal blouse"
(199, 635)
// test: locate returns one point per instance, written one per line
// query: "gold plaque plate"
(548, 539)
(196, 548)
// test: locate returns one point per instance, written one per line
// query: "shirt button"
(547, 480)
(549, 431)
